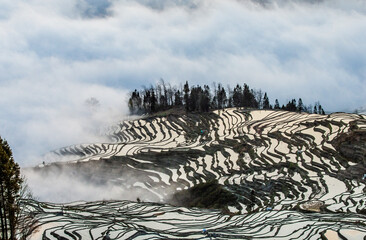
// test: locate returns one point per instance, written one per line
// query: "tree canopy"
(203, 99)
(10, 186)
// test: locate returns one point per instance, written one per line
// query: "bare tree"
(259, 98)
(25, 219)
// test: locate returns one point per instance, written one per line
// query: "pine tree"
(277, 104)
(164, 97)
(177, 99)
(266, 104)
(135, 102)
(152, 101)
(230, 97)
(237, 96)
(147, 101)
(321, 110)
(247, 98)
(254, 102)
(300, 106)
(194, 99)
(186, 95)
(206, 98)
(10, 185)
(221, 97)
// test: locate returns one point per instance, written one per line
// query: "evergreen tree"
(291, 105)
(186, 95)
(10, 185)
(253, 102)
(205, 99)
(221, 97)
(135, 102)
(237, 96)
(152, 101)
(277, 104)
(266, 104)
(214, 102)
(178, 99)
(320, 110)
(194, 99)
(247, 99)
(163, 97)
(147, 101)
(300, 106)
(230, 97)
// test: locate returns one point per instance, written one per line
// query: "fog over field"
(57, 55)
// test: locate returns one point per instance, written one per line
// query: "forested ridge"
(203, 99)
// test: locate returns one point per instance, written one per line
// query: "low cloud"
(89, 182)
(62, 187)
(49, 115)
(57, 54)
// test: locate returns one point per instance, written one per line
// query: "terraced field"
(129, 220)
(295, 176)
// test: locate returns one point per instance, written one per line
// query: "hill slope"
(267, 159)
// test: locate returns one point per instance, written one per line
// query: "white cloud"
(66, 186)
(56, 54)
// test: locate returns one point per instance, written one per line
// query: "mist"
(46, 117)
(55, 55)
(63, 183)
(64, 188)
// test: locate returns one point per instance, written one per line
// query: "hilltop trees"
(238, 96)
(300, 105)
(203, 99)
(10, 186)
(134, 103)
(266, 104)
(318, 108)
(277, 104)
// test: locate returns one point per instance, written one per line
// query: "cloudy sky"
(55, 55)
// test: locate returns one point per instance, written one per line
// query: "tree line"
(203, 99)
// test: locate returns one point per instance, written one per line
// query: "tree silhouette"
(10, 185)
(238, 96)
(277, 104)
(186, 95)
(266, 104)
(164, 97)
(300, 106)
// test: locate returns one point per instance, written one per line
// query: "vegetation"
(10, 182)
(205, 195)
(203, 99)
(14, 224)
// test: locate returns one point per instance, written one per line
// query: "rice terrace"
(288, 176)
(182, 120)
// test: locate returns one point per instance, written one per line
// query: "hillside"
(292, 175)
